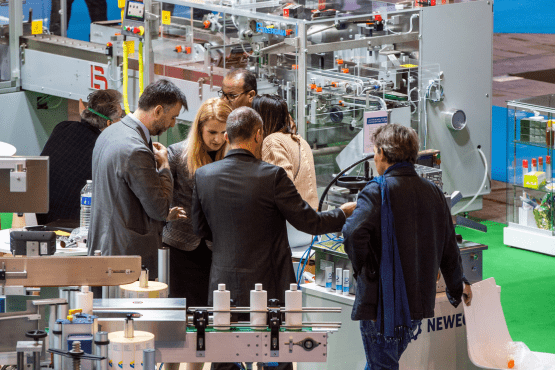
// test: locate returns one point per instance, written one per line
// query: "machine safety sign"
(372, 120)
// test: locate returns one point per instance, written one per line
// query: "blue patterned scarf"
(393, 307)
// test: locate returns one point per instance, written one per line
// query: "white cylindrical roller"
(293, 302)
(84, 300)
(127, 353)
(259, 302)
(222, 307)
(155, 289)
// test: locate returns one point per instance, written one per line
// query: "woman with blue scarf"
(398, 237)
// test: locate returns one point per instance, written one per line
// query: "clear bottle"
(86, 197)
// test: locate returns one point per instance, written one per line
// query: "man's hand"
(348, 208)
(160, 155)
(176, 213)
(467, 294)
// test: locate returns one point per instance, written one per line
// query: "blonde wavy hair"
(196, 154)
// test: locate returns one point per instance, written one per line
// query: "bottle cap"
(85, 289)
(548, 159)
(89, 181)
(525, 163)
(540, 160)
(258, 287)
(221, 287)
(534, 161)
(293, 287)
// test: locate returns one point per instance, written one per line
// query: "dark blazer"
(70, 148)
(425, 237)
(241, 203)
(130, 199)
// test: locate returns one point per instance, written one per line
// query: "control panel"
(134, 19)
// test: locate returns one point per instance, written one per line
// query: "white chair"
(487, 335)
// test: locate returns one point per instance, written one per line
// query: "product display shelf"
(530, 138)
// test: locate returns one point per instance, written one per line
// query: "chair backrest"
(487, 335)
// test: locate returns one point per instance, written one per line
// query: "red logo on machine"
(98, 77)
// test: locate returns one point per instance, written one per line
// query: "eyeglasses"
(229, 97)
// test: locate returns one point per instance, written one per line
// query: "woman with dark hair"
(283, 147)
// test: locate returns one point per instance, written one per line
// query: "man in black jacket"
(70, 148)
(400, 234)
(241, 204)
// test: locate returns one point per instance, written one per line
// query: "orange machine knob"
(207, 24)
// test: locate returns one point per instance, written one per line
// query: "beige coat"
(281, 150)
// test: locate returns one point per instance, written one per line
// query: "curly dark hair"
(105, 102)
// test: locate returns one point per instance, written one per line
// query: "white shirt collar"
(145, 130)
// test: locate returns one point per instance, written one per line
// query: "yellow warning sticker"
(409, 65)
(121, 3)
(166, 17)
(130, 47)
(36, 27)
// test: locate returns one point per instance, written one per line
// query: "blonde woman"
(190, 256)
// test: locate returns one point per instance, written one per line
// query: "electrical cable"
(141, 69)
(483, 181)
(125, 78)
(370, 156)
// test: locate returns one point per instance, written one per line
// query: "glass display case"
(531, 197)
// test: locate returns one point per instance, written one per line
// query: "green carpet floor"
(527, 281)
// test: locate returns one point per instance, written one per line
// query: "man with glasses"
(239, 88)
(70, 148)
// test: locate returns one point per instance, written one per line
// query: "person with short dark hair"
(132, 181)
(398, 237)
(241, 204)
(239, 88)
(70, 148)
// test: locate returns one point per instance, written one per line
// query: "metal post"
(164, 265)
(63, 18)
(20, 360)
(149, 359)
(301, 81)
(148, 53)
(36, 360)
(57, 334)
(101, 341)
(16, 31)
(51, 324)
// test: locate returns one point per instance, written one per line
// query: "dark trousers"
(98, 11)
(190, 273)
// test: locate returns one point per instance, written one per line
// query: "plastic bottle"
(540, 164)
(86, 198)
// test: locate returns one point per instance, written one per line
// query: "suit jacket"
(425, 237)
(241, 203)
(130, 198)
(70, 148)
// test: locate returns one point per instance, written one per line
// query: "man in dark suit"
(241, 203)
(132, 182)
(70, 148)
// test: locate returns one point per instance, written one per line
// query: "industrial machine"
(427, 65)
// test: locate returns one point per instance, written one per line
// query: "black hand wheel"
(36, 334)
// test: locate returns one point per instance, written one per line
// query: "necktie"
(150, 145)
